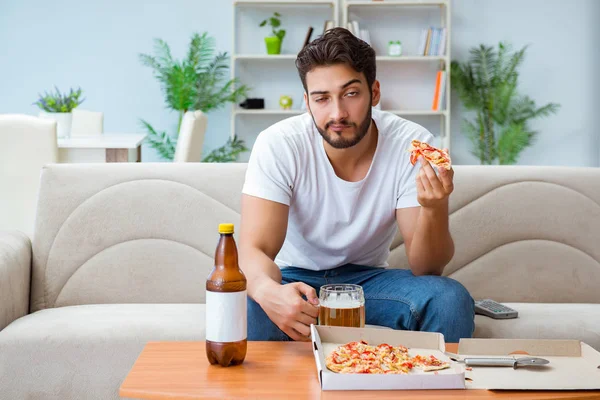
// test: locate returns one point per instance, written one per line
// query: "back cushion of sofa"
(146, 233)
(130, 233)
(524, 233)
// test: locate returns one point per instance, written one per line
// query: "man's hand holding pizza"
(434, 189)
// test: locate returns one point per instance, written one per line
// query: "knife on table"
(501, 361)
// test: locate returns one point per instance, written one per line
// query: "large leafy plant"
(58, 102)
(196, 82)
(488, 85)
(227, 152)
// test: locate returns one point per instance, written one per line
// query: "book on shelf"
(359, 32)
(329, 24)
(439, 93)
(364, 35)
(433, 42)
(307, 37)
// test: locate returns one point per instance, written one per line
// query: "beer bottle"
(226, 321)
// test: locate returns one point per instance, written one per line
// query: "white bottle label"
(226, 316)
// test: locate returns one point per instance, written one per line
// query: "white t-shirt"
(333, 222)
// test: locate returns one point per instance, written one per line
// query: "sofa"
(120, 255)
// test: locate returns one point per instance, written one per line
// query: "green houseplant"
(196, 82)
(488, 85)
(274, 41)
(58, 107)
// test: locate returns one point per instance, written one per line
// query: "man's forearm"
(432, 246)
(261, 272)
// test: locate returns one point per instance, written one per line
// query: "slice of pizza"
(439, 158)
(429, 368)
(430, 363)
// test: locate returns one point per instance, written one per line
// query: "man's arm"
(425, 229)
(262, 233)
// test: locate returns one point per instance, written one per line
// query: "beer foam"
(340, 303)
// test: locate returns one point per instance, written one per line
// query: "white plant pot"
(63, 122)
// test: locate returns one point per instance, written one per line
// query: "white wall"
(560, 66)
(95, 45)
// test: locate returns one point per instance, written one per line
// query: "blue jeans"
(393, 297)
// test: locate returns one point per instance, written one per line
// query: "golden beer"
(342, 305)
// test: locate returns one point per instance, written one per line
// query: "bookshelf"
(271, 76)
(408, 81)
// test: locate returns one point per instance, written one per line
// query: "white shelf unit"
(407, 81)
(387, 3)
(271, 76)
(273, 111)
(282, 2)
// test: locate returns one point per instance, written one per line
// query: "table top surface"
(180, 370)
(103, 141)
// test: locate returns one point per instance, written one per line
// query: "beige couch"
(121, 252)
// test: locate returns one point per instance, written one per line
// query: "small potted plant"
(58, 106)
(274, 42)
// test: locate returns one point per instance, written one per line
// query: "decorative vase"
(273, 44)
(63, 122)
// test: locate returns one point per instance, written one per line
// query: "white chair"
(86, 123)
(27, 143)
(191, 137)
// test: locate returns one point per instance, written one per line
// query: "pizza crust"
(428, 368)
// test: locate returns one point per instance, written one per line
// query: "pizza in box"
(362, 358)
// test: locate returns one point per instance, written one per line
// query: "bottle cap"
(225, 228)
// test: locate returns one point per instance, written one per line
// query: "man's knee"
(458, 293)
(451, 300)
(442, 290)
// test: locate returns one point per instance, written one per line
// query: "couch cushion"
(151, 229)
(524, 234)
(139, 233)
(545, 321)
(85, 352)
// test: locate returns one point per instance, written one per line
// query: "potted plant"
(487, 84)
(193, 83)
(273, 42)
(58, 106)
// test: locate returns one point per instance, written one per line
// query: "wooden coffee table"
(281, 370)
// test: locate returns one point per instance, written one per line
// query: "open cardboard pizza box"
(573, 365)
(326, 338)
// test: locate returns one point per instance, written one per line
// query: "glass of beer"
(342, 305)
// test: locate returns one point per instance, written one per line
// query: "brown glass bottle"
(226, 320)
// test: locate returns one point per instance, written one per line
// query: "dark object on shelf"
(253, 104)
(307, 37)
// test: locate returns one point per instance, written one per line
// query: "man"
(324, 195)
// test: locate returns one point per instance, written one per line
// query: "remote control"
(495, 310)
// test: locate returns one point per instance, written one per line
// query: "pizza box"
(573, 365)
(326, 338)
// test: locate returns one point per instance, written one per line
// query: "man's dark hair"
(337, 46)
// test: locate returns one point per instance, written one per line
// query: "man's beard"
(336, 140)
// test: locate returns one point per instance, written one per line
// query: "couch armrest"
(15, 273)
